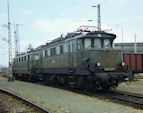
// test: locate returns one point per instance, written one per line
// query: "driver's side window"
(107, 43)
(87, 43)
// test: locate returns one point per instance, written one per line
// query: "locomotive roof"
(71, 36)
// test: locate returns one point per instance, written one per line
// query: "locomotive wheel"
(61, 80)
(88, 83)
(46, 80)
(71, 81)
(80, 82)
(105, 87)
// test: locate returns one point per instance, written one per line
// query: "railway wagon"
(134, 62)
(83, 59)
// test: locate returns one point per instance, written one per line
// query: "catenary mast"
(9, 44)
(99, 18)
(16, 35)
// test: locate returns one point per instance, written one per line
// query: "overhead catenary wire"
(84, 13)
(64, 10)
(3, 38)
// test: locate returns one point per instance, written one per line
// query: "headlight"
(98, 64)
(123, 63)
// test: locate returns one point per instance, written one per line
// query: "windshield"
(107, 43)
(92, 43)
(97, 43)
(87, 43)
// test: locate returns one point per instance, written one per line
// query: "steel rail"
(26, 101)
(128, 97)
(129, 94)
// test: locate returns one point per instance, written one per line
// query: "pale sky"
(43, 20)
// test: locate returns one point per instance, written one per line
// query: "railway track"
(130, 99)
(125, 98)
(10, 103)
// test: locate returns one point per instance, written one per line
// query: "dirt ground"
(135, 87)
(62, 101)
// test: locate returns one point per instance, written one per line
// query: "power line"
(85, 13)
(3, 38)
(43, 4)
(67, 7)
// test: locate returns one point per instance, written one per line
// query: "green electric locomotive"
(83, 59)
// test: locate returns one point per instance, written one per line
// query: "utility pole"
(122, 31)
(99, 17)
(135, 44)
(122, 34)
(16, 35)
(9, 45)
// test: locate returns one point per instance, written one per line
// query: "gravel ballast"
(61, 101)
(135, 87)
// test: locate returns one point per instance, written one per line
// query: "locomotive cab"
(99, 57)
(98, 48)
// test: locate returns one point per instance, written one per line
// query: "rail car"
(134, 62)
(82, 59)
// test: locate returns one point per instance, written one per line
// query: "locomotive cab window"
(87, 43)
(44, 53)
(24, 58)
(36, 57)
(92, 43)
(71, 46)
(107, 43)
(57, 50)
(65, 48)
(78, 43)
(61, 49)
(48, 52)
(97, 43)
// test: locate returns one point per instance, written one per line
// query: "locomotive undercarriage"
(104, 80)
